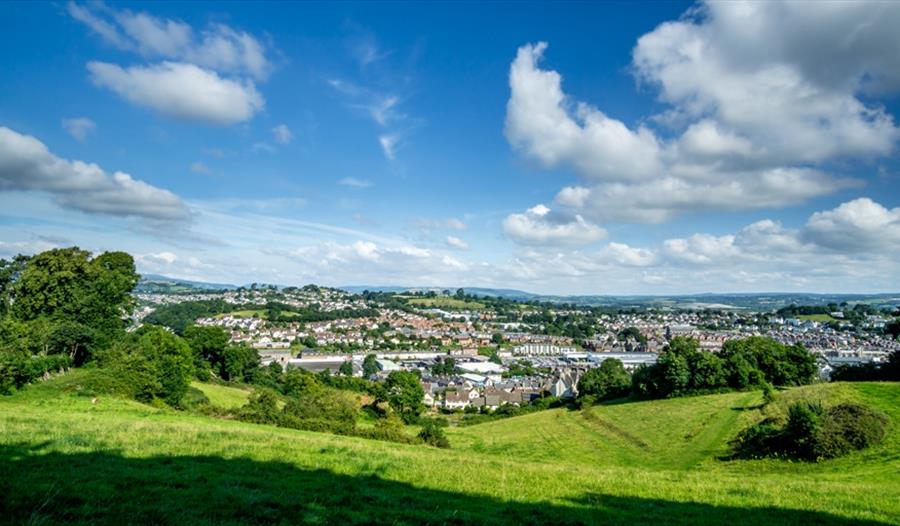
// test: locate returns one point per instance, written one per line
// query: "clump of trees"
(608, 381)
(812, 432)
(683, 369)
(870, 372)
(58, 308)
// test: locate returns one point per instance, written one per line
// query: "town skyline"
(681, 148)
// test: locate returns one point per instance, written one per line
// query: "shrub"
(433, 434)
(261, 408)
(804, 421)
(610, 380)
(813, 433)
(849, 427)
(331, 409)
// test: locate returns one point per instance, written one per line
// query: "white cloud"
(262, 147)
(537, 226)
(455, 224)
(79, 127)
(664, 198)
(353, 182)
(861, 224)
(181, 90)
(218, 47)
(199, 168)
(282, 134)
(756, 115)
(457, 243)
(701, 248)
(629, 256)
(27, 165)
(538, 123)
(365, 260)
(388, 145)
(9, 249)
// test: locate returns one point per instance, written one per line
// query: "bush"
(433, 434)
(804, 421)
(849, 427)
(330, 409)
(610, 380)
(389, 428)
(261, 408)
(813, 433)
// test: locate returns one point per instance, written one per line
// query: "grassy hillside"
(444, 302)
(65, 458)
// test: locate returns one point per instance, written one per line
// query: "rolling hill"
(67, 457)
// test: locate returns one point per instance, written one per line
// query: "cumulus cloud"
(26, 164)
(861, 224)
(457, 243)
(79, 128)
(756, 113)
(181, 90)
(851, 248)
(354, 182)
(282, 134)
(538, 226)
(538, 122)
(218, 47)
(203, 75)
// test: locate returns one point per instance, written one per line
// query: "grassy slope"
(223, 396)
(642, 463)
(447, 303)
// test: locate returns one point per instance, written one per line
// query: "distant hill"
(150, 283)
(768, 301)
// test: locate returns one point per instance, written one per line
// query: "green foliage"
(610, 380)
(405, 394)
(208, 345)
(813, 433)
(868, 372)
(173, 361)
(444, 367)
(148, 365)
(433, 434)
(323, 409)
(18, 369)
(346, 368)
(261, 408)
(369, 366)
(683, 369)
(239, 363)
(67, 284)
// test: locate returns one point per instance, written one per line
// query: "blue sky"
(580, 148)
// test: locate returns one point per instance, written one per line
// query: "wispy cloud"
(79, 128)
(353, 182)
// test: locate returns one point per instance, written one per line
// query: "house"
(565, 386)
(457, 399)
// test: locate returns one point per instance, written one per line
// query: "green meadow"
(66, 456)
(445, 302)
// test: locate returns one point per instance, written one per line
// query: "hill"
(154, 283)
(67, 459)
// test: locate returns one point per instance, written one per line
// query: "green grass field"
(444, 302)
(223, 396)
(64, 458)
(823, 318)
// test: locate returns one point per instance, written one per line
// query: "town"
(479, 353)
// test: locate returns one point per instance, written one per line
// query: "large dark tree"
(610, 380)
